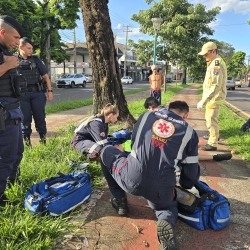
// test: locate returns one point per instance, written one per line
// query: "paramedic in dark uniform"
(162, 143)
(11, 143)
(33, 104)
(90, 136)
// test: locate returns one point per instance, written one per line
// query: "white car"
(89, 78)
(72, 80)
(238, 83)
(127, 80)
(230, 83)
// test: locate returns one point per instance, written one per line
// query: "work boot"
(3, 200)
(245, 126)
(206, 137)
(208, 147)
(27, 140)
(120, 205)
(42, 138)
(222, 157)
(166, 235)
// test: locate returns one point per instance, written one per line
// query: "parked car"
(88, 78)
(168, 79)
(72, 80)
(230, 83)
(127, 80)
(238, 83)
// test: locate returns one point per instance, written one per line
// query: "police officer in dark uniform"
(162, 143)
(11, 143)
(33, 103)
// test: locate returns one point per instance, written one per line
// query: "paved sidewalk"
(99, 226)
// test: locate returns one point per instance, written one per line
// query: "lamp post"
(156, 23)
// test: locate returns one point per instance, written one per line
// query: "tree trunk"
(104, 63)
(184, 76)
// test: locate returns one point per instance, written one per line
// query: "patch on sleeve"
(217, 63)
(163, 128)
(216, 70)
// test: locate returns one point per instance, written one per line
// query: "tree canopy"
(41, 19)
(183, 31)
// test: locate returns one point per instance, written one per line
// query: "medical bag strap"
(138, 134)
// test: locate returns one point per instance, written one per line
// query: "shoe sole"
(166, 236)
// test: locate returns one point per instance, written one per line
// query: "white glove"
(199, 105)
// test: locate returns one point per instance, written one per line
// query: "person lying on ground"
(90, 135)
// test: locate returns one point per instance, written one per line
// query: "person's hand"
(199, 105)
(49, 96)
(11, 61)
(119, 146)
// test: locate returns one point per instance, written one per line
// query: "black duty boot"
(166, 235)
(27, 140)
(222, 157)
(42, 138)
(208, 147)
(3, 200)
(120, 205)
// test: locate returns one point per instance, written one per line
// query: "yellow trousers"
(212, 117)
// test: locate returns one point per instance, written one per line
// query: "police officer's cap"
(27, 40)
(207, 47)
(13, 23)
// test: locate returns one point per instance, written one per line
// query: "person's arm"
(9, 62)
(162, 79)
(190, 169)
(44, 74)
(97, 131)
(49, 88)
(150, 80)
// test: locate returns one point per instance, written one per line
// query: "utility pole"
(48, 58)
(75, 69)
(126, 48)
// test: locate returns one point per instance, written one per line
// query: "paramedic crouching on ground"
(90, 136)
(161, 142)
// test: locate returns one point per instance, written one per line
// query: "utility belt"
(3, 121)
(38, 87)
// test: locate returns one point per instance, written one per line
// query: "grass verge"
(230, 124)
(19, 230)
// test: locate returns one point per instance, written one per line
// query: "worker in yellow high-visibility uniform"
(214, 92)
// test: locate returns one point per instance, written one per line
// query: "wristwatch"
(50, 90)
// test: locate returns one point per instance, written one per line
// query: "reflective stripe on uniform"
(190, 159)
(185, 140)
(81, 124)
(135, 145)
(102, 142)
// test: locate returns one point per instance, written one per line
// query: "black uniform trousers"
(33, 104)
(11, 151)
(123, 176)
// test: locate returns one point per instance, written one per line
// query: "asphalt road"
(78, 93)
(240, 98)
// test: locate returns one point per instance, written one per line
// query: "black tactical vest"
(28, 68)
(6, 89)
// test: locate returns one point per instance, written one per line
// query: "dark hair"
(181, 106)
(151, 101)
